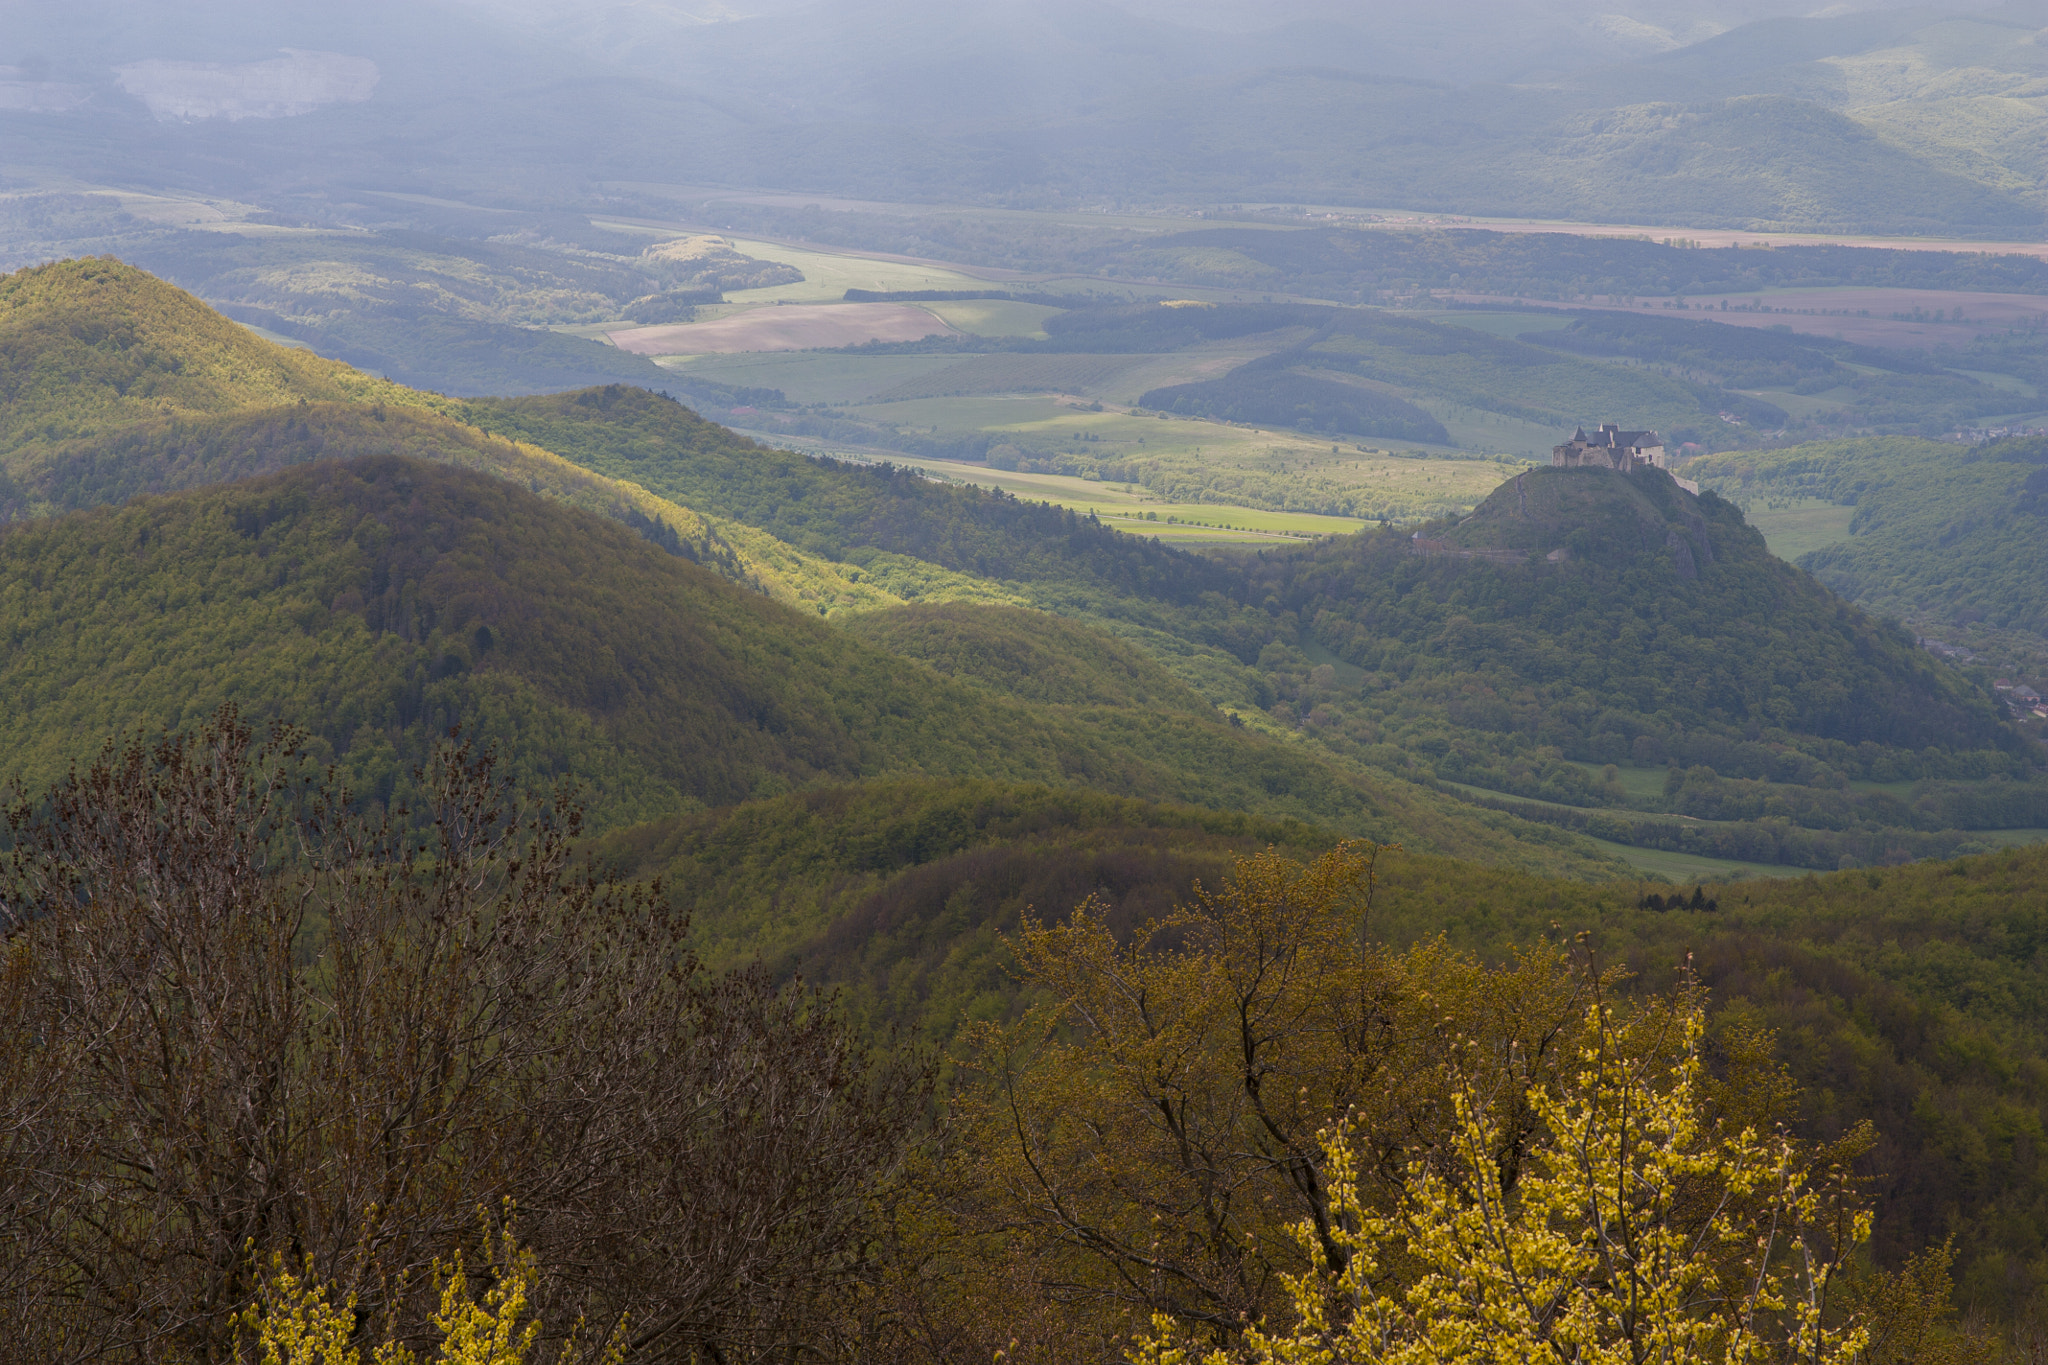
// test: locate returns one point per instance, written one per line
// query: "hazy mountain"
(1489, 106)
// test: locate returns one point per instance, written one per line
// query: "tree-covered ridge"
(1028, 655)
(1607, 517)
(1706, 666)
(1740, 357)
(1941, 531)
(1346, 263)
(837, 510)
(1911, 996)
(148, 390)
(387, 599)
(165, 455)
(1617, 650)
(90, 345)
(897, 889)
(1226, 626)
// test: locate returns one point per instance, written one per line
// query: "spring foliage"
(1637, 1228)
(295, 1320)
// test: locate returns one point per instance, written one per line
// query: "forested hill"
(1663, 631)
(88, 346)
(1941, 532)
(381, 600)
(833, 509)
(1912, 996)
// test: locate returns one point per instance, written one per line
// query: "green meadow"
(1796, 526)
(828, 275)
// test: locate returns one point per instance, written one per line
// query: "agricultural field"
(1130, 507)
(1509, 325)
(994, 317)
(828, 275)
(810, 376)
(1180, 465)
(1902, 319)
(1476, 428)
(1086, 376)
(798, 328)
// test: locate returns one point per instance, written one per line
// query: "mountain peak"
(1606, 517)
(92, 343)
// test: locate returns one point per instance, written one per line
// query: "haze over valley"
(1026, 680)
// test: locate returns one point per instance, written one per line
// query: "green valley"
(1572, 619)
(866, 682)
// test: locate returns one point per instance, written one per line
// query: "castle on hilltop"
(1612, 448)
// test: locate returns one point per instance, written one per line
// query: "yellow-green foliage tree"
(1247, 1132)
(1639, 1227)
(295, 1320)
(1144, 1142)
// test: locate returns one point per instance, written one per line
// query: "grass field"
(1083, 375)
(995, 317)
(2012, 838)
(827, 276)
(1796, 526)
(798, 328)
(1642, 784)
(1215, 463)
(1479, 429)
(1691, 867)
(1682, 867)
(1193, 521)
(1130, 507)
(810, 376)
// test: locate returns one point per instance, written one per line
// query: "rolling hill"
(87, 346)
(1662, 635)
(1912, 996)
(381, 600)
(1942, 533)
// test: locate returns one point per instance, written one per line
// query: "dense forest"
(1981, 507)
(599, 1095)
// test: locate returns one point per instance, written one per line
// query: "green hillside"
(168, 395)
(1666, 618)
(1662, 634)
(1028, 655)
(1910, 996)
(1667, 635)
(382, 600)
(1664, 683)
(90, 345)
(897, 889)
(839, 511)
(1942, 533)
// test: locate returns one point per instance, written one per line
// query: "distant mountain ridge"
(1911, 120)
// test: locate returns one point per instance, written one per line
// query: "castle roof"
(1615, 436)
